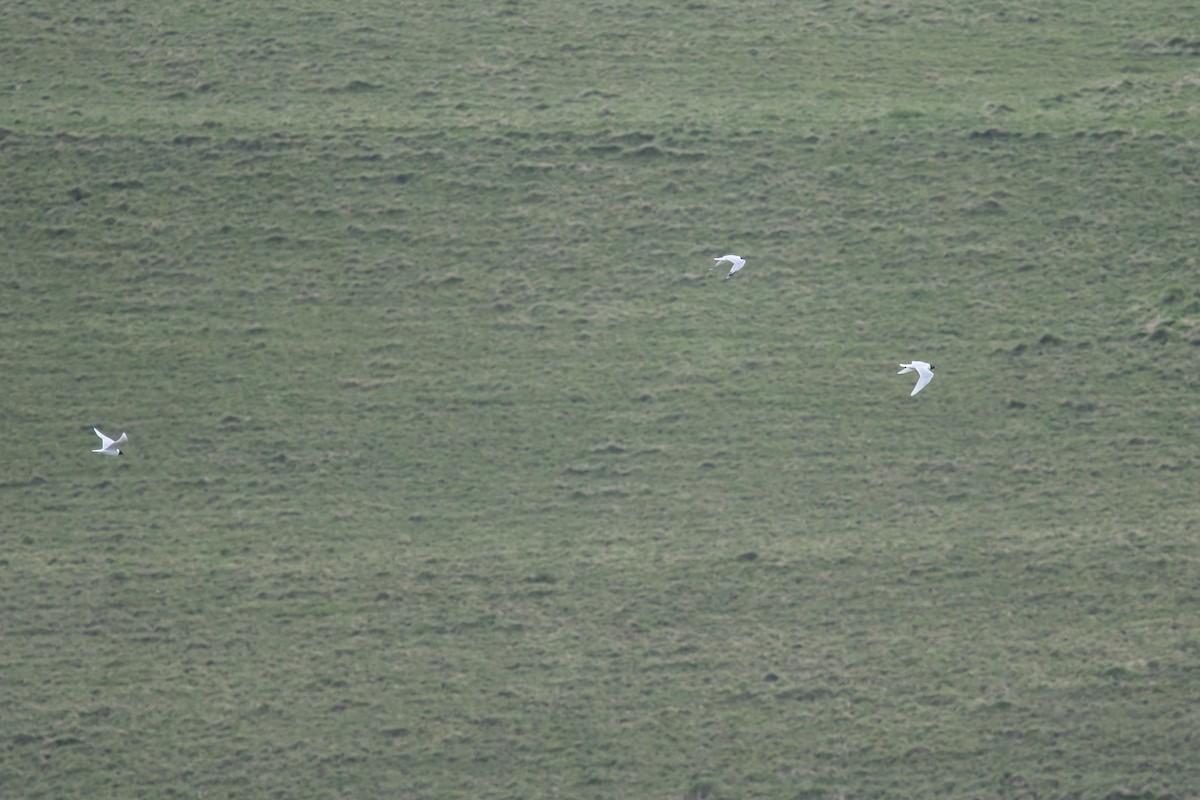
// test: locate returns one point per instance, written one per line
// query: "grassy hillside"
(454, 472)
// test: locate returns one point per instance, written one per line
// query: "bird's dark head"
(120, 452)
(932, 367)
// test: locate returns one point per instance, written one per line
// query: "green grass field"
(454, 473)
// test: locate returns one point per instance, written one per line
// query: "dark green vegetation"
(453, 473)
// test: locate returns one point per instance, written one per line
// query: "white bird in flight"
(924, 370)
(108, 447)
(737, 261)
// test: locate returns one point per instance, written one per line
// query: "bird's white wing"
(907, 368)
(926, 377)
(105, 442)
(122, 440)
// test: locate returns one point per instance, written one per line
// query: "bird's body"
(108, 447)
(923, 369)
(736, 262)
